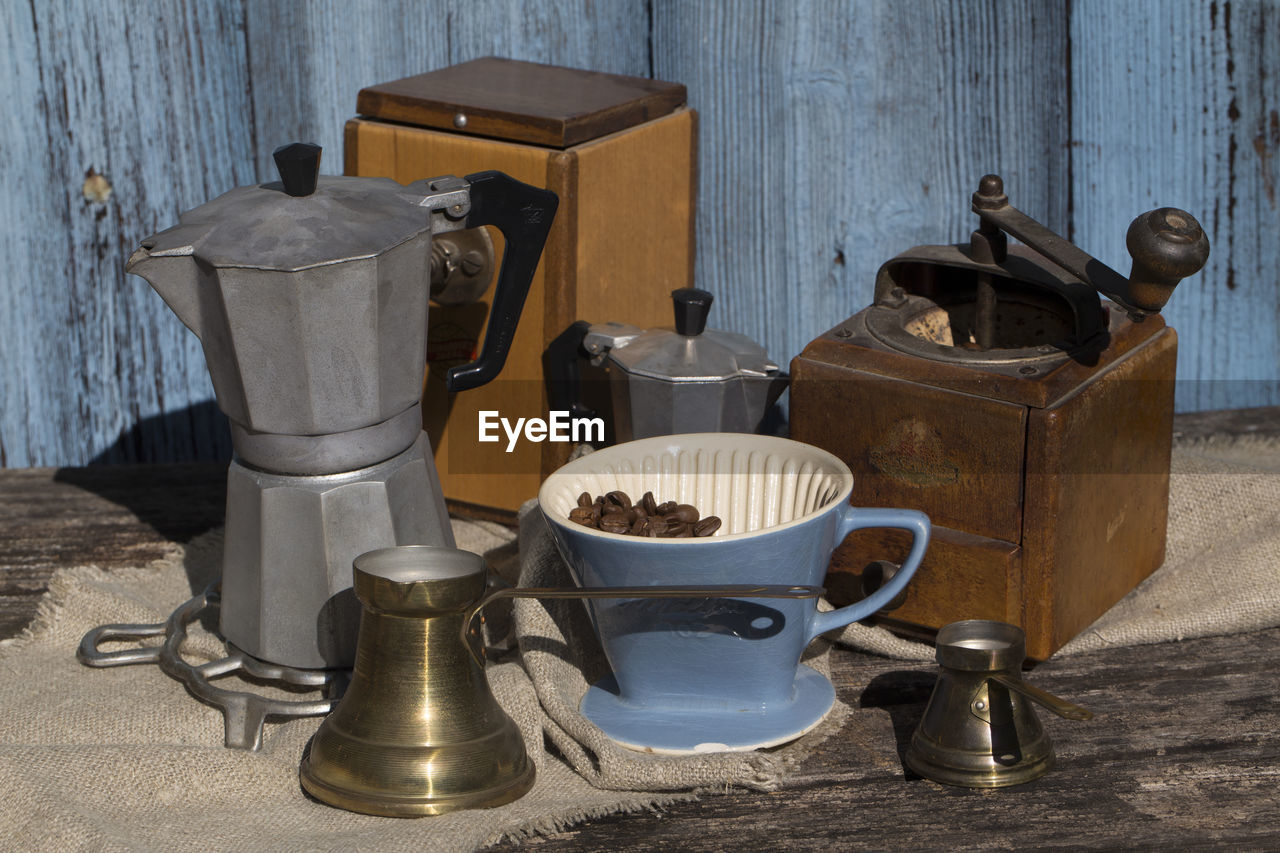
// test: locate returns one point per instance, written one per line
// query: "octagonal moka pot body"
(992, 388)
(310, 298)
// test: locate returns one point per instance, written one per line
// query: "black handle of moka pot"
(562, 371)
(523, 214)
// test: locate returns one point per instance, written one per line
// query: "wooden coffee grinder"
(619, 152)
(990, 387)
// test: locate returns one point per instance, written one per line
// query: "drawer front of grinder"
(957, 457)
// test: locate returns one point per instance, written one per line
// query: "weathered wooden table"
(1182, 754)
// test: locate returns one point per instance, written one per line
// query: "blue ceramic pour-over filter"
(697, 675)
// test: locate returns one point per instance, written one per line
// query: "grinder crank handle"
(1166, 245)
(523, 214)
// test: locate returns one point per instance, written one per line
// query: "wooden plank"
(1178, 104)
(173, 104)
(835, 135)
(309, 60)
(1195, 426)
(153, 104)
(111, 516)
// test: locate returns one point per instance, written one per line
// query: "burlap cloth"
(125, 759)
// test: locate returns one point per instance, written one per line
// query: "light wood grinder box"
(621, 154)
(989, 387)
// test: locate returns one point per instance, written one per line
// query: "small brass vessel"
(979, 729)
(418, 732)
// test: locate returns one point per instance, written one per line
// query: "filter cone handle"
(470, 637)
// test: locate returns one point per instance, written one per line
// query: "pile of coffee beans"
(615, 513)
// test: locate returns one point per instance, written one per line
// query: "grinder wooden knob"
(1167, 245)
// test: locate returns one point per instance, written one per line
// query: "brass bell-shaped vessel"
(979, 729)
(418, 732)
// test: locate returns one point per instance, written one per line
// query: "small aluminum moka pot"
(979, 729)
(669, 381)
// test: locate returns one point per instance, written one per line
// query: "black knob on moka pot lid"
(299, 166)
(691, 309)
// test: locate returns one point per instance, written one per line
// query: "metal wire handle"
(715, 591)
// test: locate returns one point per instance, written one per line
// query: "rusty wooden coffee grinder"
(991, 387)
(621, 155)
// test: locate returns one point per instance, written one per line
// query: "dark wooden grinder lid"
(522, 101)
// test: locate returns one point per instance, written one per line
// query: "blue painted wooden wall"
(834, 134)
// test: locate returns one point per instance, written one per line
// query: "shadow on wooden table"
(180, 501)
(904, 694)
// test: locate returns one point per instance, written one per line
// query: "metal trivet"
(243, 713)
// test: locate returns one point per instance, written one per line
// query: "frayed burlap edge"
(50, 605)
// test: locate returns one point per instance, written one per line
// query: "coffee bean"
(707, 526)
(615, 513)
(685, 513)
(614, 524)
(673, 526)
(626, 515)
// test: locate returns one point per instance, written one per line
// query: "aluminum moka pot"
(310, 297)
(686, 379)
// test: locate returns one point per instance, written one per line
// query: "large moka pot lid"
(688, 352)
(301, 221)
